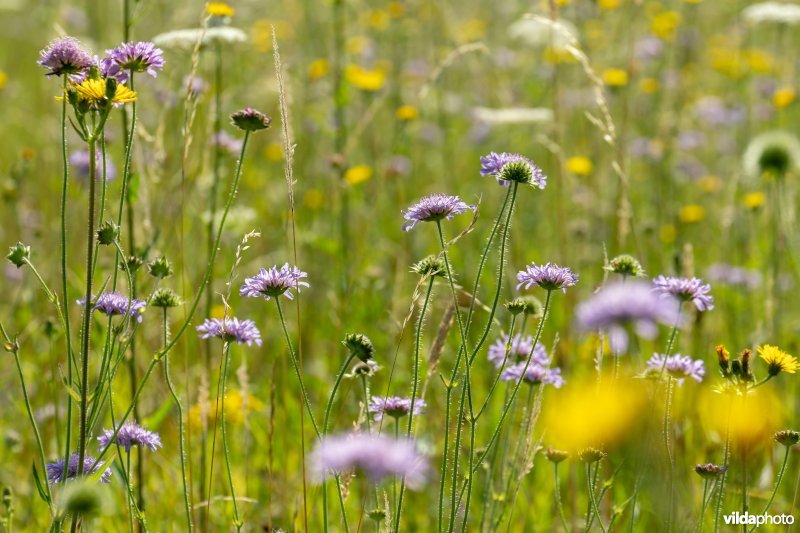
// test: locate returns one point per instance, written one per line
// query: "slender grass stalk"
(591, 481)
(725, 458)
(703, 506)
(414, 384)
(667, 432)
(778, 480)
(557, 493)
(237, 521)
(181, 441)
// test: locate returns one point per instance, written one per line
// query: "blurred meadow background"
(646, 116)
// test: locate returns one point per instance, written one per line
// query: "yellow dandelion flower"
(667, 233)
(783, 97)
(358, 174)
(664, 24)
(318, 68)
(754, 200)
(692, 214)
(365, 79)
(609, 4)
(759, 61)
(615, 77)
(219, 9)
(93, 91)
(727, 61)
(582, 166)
(710, 183)
(777, 360)
(406, 112)
(757, 415)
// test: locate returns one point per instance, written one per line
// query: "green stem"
(703, 506)
(592, 481)
(725, 455)
(557, 492)
(777, 483)
(237, 521)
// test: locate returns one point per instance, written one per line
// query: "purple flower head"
(274, 282)
(231, 330)
(549, 277)
(685, 289)
(620, 305)
(535, 374)
(519, 350)
(507, 167)
(142, 56)
(65, 55)
(434, 207)
(80, 162)
(376, 456)
(395, 406)
(678, 366)
(116, 303)
(734, 276)
(56, 472)
(194, 85)
(129, 435)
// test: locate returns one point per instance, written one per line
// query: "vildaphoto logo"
(741, 519)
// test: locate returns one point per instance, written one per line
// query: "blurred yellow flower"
(274, 152)
(609, 4)
(218, 311)
(584, 414)
(357, 44)
(727, 61)
(777, 360)
(378, 19)
(783, 97)
(471, 30)
(615, 77)
(318, 68)
(759, 61)
(665, 23)
(313, 199)
(3, 79)
(582, 166)
(406, 112)
(396, 9)
(365, 79)
(710, 183)
(667, 233)
(261, 33)
(648, 85)
(755, 417)
(692, 214)
(237, 406)
(357, 174)
(754, 200)
(219, 9)
(558, 55)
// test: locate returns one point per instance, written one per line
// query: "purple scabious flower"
(274, 282)
(395, 406)
(734, 276)
(433, 208)
(686, 289)
(678, 366)
(506, 168)
(65, 55)
(129, 435)
(230, 330)
(549, 277)
(56, 472)
(620, 305)
(535, 374)
(141, 56)
(376, 456)
(116, 303)
(80, 162)
(519, 350)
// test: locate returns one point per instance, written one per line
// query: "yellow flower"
(406, 112)
(609, 4)
(710, 183)
(754, 200)
(759, 61)
(582, 166)
(667, 233)
(3, 79)
(274, 152)
(691, 214)
(471, 30)
(756, 415)
(558, 55)
(365, 79)
(237, 406)
(664, 24)
(357, 44)
(727, 61)
(218, 311)
(379, 19)
(615, 77)
(777, 360)
(318, 68)
(396, 9)
(313, 199)
(219, 9)
(783, 97)
(648, 85)
(93, 91)
(357, 174)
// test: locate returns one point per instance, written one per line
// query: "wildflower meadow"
(399, 265)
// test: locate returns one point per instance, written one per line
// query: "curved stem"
(237, 521)
(591, 481)
(703, 506)
(725, 455)
(777, 483)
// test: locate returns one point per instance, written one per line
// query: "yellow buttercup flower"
(358, 174)
(664, 24)
(777, 360)
(759, 61)
(365, 79)
(93, 91)
(615, 77)
(754, 200)
(406, 112)
(379, 19)
(582, 166)
(219, 9)
(691, 214)
(783, 97)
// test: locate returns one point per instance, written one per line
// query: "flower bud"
(556, 456)
(359, 345)
(724, 360)
(160, 268)
(787, 437)
(249, 119)
(108, 233)
(19, 254)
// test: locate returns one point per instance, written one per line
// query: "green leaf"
(39, 487)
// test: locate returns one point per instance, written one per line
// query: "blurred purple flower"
(678, 366)
(80, 162)
(520, 349)
(230, 330)
(686, 289)
(714, 112)
(433, 208)
(395, 406)
(228, 143)
(535, 374)
(129, 435)
(274, 282)
(56, 472)
(648, 48)
(734, 276)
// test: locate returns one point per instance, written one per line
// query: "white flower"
(188, 38)
(538, 31)
(772, 12)
(513, 115)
